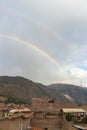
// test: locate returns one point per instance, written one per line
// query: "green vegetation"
(69, 116)
(16, 101)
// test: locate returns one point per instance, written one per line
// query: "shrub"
(69, 116)
(16, 101)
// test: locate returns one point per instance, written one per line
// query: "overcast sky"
(44, 40)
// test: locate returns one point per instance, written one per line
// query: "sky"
(44, 40)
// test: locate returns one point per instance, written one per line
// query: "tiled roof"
(26, 115)
(19, 110)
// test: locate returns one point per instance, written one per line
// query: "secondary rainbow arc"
(37, 23)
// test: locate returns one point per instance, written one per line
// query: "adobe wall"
(14, 124)
(42, 104)
(49, 122)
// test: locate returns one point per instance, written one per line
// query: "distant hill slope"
(74, 93)
(24, 89)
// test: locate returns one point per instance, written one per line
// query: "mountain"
(73, 93)
(22, 89)
(18, 89)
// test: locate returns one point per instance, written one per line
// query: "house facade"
(47, 121)
(14, 124)
(74, 111)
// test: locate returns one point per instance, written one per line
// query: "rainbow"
(37, 23)
(11, 37)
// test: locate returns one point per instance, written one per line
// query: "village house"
(15, 123)
(46, 120)
(45, 104)
(44, 114)
(18, 120)
(47, 111)
(74, 111)
(49, 104)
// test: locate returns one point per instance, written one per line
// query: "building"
(74, 111)
(18, 121)
(46, 120)
(45, 104)
(49, 104)
(14, 123)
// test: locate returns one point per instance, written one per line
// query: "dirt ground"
(68, 126)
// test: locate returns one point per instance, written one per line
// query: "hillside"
(24, 90)
(73, 93)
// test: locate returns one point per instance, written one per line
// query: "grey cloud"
(57, 27)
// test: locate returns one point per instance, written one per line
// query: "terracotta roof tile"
(27, 115)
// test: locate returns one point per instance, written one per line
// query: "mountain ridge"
(24, 89)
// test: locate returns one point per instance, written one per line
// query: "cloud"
(58, 27)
